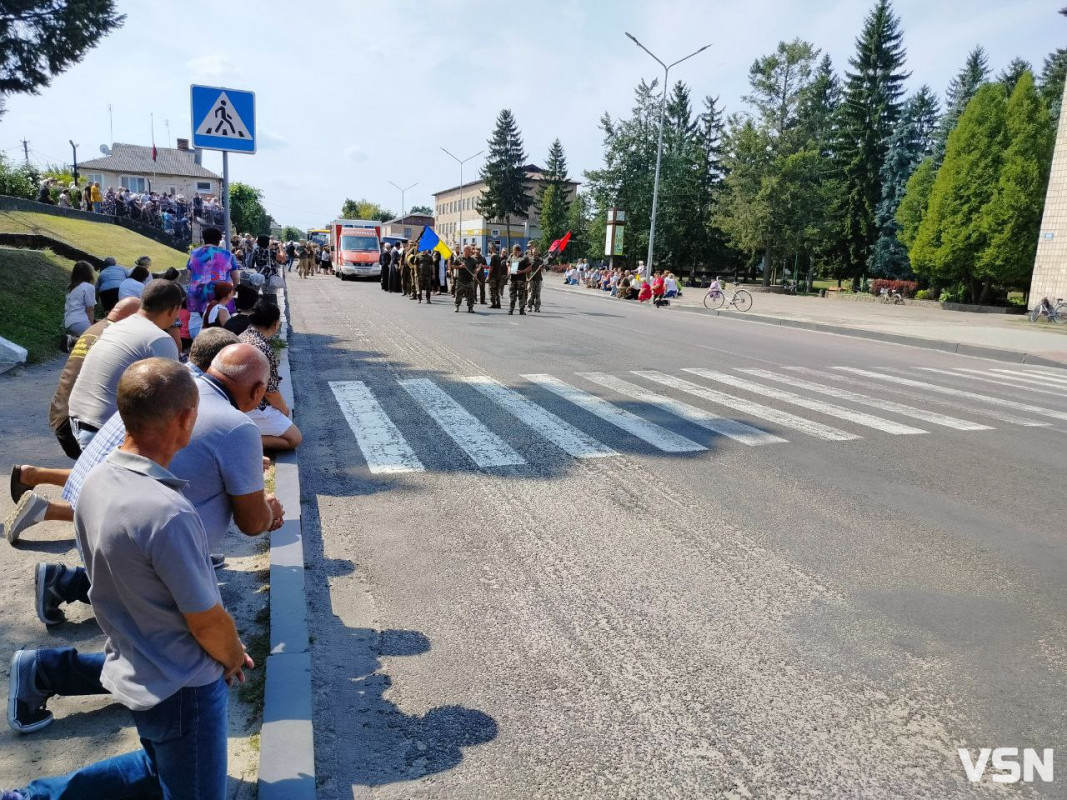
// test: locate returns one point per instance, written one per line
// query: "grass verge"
(31, 304)
(99, 238)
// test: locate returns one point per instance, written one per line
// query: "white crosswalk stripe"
(784, 418)
(386, 449)
(733, 429)
(378, 438)
(998, 380)
(874, 402)
(1040, 378)
(829, 409)
(931, 387)
(955, 403)
(561, 433)
(657, 436)
(484, 447)
(1060, 374)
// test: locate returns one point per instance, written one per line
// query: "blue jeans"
(83, 435)
(183, 756)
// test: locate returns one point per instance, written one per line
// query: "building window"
(132, 183)
(407, 233)
(94, 177)
(203, 186)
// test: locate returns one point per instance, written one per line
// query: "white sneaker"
(30, 510)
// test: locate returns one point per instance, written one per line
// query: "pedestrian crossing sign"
(223, 119)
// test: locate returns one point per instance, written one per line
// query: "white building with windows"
(175, 170)
(458, 206)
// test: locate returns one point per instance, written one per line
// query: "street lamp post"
(74, 169)
(461, 162)
(403, 189)
(659, 146)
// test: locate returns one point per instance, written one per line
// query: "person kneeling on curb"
(172, 649)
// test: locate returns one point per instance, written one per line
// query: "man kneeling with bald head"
(171, 646)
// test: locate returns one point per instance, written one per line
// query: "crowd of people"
(424, 274)
(626, 284)
(167, 405)
(169, 211)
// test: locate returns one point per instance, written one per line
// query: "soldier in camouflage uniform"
(537, 277)
(518, 269)
(427, 273)
(497, 276)
(464, 270)
(481, 277)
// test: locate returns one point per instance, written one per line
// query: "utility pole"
(26, 150)
(74, 147)
(659, 147)
(461, 163)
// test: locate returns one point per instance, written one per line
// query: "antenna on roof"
(105, 149)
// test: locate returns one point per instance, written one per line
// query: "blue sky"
(354, 94)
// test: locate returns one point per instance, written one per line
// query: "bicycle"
(741, 299)
(1057, 313)
(896, 298)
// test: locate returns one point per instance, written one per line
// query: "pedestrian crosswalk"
(483, 422)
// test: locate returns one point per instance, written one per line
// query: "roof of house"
(533, 172)
(137, 159)
(411, 219)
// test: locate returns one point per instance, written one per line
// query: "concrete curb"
(996, 354)
(11, 355)
(287, 742)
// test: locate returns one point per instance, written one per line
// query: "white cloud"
(355, 153)
(211, 68)
(270, 140)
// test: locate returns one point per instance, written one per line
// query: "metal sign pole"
(226, 198)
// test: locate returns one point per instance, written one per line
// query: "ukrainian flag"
(431, 241)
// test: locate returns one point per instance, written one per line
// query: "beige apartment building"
(460, 203)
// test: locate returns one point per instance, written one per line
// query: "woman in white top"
(134, 285)
(81, 300)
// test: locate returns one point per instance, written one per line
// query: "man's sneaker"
(45, 578)
(26, 710)
(218, 561)
(29, 511)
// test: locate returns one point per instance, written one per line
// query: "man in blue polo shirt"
(171, 646)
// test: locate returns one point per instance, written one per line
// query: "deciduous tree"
(41, 38)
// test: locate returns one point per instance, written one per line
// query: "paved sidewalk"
(1006, 332)
(87, 729)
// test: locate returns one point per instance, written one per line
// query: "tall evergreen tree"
(910, 143)
(578, 223)
(552, 196)
(817, 111)
(778, 84)
(1010, 75)
(973, 73)
(950, 240)
(870, 110)
(1011, 220)
(914, 203)
(760, 202)
(506, 193)
(1053, 75)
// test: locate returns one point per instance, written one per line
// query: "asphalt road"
(665, 586)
